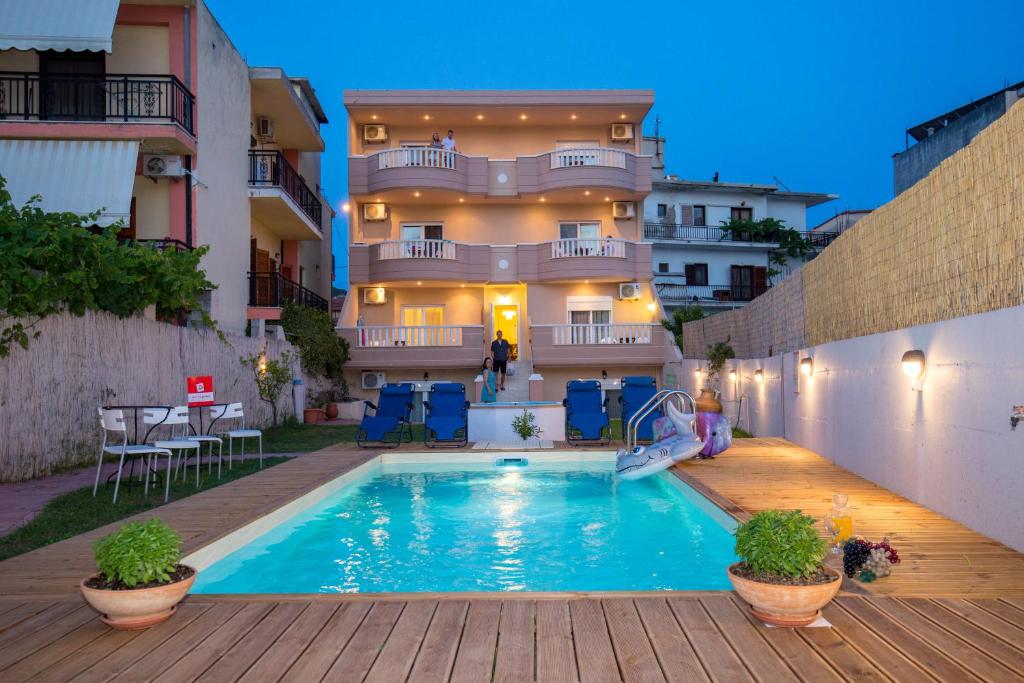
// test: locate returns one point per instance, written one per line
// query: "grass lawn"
(77, 512)
(292, 437)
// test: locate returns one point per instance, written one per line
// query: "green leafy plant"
(50, 263)
(271, 376)
(792, 244)
(139, 552)
(782, 543)
(718, 354)
(322, 351)
(680, 317)
(525, 425)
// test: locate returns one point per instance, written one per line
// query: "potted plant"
(718, 354)
(312, 414)
(140, 580)
(329, 398)
(526, 427)
(348, 408)
(780, 573)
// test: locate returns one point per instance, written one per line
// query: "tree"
(680, 317)
(50, 263)
(271, 377)
(792, 244)
(322, 351)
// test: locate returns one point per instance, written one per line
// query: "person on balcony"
(488, 393)
(449, 146)
(499, 352)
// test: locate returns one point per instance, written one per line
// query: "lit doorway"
(505, 317)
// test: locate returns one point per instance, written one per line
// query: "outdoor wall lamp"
(759, 376)
(806, 367)
(913, 364)
(732, 375)
(604, 374)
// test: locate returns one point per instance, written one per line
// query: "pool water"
(480, 527)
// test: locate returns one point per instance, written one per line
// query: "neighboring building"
(532, 227)
(837, 225)
(943, 135)
(146, 110)
(695, 261)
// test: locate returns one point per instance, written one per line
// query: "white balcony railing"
(572, 247)
(588, 156)
(370, 336)
(431, 157)
(418, 249)
(620, 333)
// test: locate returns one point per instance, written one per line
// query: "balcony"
(622, 344)
(409, 260)
(422, 168)
(434, 346)
(820, 240)
(272, 290)
(674, 232)
(709, 295)
(593, 259)
(113, 98)
(584, 167)
(281, 199)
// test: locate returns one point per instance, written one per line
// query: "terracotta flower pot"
(784, 605)
(312, 416)
(331, 410)
(707, 403)
(131, 610)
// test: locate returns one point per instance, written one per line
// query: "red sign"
(200, 391)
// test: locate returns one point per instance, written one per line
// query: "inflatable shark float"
(674, 441)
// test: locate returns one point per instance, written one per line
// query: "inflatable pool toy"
(675, 441)
(715, 431)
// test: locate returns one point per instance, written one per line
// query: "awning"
(76, 25)
(81, 176)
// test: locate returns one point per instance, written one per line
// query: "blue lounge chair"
(391, 413)
(636, 391)
(586, 417)
(447, 421)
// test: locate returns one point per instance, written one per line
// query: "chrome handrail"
(649, 407)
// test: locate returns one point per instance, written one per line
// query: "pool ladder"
(652, 404)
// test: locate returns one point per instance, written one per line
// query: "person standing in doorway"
(499, 352)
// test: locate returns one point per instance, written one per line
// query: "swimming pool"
(557, 522)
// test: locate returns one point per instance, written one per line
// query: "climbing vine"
(792, 244)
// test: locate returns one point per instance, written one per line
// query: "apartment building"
(145, 109)
(694, 260)
(531, 225)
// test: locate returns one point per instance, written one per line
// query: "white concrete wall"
(948, 446)
(719, 260)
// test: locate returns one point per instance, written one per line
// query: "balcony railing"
(275, 290)
(431, 157)
(163, 244)
(418, 249)
(820, 240)
(271, 169)
(122, 98)
(588, 156)
(369, 336)
(710, 293)
(619, 333)
(573, 247)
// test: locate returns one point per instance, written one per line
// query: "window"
(699, 215)
(419, 316)
(741, 213)
(662, 210)
(593, 315)
(697, 274)
(662, 267)
(579, 231)
(748, 282)
(430, 231)
(72, 86)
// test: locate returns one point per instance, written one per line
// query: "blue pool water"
(543, 527)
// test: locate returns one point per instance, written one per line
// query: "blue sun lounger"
(390, 414)
(447, 422)
(586, 415)
(636, 391)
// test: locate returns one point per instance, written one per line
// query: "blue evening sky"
(816, 93)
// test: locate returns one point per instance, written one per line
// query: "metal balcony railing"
(274, 290)
(121, 98)
(574, 246)
(709, 293)
(269, 168)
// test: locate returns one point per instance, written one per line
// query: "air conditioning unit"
(265, 128)
(375, 295)
(623, 209)
(630, 290)
(373, 380)
(375, 134)
(162, 166)
(375, 212)
(622, 132)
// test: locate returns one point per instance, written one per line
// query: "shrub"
(139, 552)
(780, 542)
(271, 377)
(680, 317)
(525, 425)
(322, 351)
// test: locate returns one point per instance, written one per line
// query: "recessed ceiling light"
(415, 194)
(622, 116)
(586, 192)
(522, 117)
(461, 199)
(374, 117)
(543, 199)
(573, 117)
(479, 117)
(607, 199)
(426, 117)
(586, 282)
(419, 282)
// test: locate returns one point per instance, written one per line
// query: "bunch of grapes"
(890, 552)
(878, 562)
(855, 554)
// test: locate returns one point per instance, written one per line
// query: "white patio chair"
(211, 440)
(233, 411)
(113, 421)
(172, 418)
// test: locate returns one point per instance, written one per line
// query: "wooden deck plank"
(73, 663)
(35, 622)
(516, 654)
(883, 655)
(320, 654)
(57, 650)
(556, 657)
(714, 651)
(746, 642)
(283, 652)
(53, 631)
(633, 649)
(402, 646)
(363, 649)
(595, 655)
(475, 659)
(437, 653)
(678, 661)
(1012, 633)
(1004, 611)
(252, 644)
(19, 612)
(844, 658)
